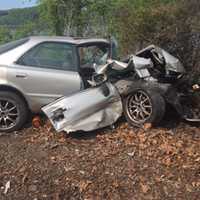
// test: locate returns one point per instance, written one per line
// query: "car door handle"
(21, 75)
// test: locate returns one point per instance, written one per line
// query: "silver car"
(36, 71)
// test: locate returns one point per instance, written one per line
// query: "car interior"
(89, 55)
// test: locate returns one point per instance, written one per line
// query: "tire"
(142, 106)
(13, 111)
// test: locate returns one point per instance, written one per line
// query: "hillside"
(3, 12)
(20, 23)
(17, 17)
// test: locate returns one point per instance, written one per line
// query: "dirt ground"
(123, 163)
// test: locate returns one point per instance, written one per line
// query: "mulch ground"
(123, 163)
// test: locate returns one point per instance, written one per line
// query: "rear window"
(12, 45)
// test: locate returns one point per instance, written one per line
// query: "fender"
(4, 87)
(169, 93)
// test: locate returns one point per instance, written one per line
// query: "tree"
(75, 17)
(63, 16)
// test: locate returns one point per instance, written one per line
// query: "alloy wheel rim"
(139, 107)
(8, 114)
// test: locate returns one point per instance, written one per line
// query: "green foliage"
(24, 31)
(139, 21)
(76, 17)
(62, 15)
(174, 25)
(19, 23)
(18, 17)
(4, 35)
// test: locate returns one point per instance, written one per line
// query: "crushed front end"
(178, 88)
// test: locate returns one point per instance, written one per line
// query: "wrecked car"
(95, 89)
(139, 88)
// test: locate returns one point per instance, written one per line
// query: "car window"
(52, 55)
(93, 54)
(12, 45)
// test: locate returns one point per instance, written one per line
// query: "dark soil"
(125, 163)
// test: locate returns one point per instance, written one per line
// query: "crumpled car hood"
(87, 110)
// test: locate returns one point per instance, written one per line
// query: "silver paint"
(87, 110)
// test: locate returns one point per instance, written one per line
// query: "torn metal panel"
(88, 110)
(172, 63)
(142, 65)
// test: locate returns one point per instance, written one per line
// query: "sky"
(9, 4)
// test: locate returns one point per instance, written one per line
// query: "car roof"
(72, 40)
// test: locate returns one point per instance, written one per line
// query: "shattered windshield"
(93, 54)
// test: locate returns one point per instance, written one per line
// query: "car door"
(47, 72)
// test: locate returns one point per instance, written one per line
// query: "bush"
(173, 25)
(4, 35)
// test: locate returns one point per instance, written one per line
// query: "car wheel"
(142, 107)
(13, 112)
